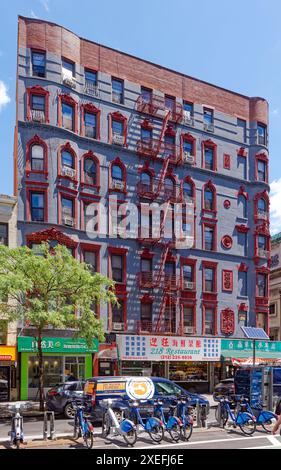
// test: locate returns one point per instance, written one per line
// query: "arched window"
(90, 171)
(169, 186)
(37, 158)
(209, 202)
(146, 180)
(262, 206)
(116, 173)
(187, 190)
(242, 206)
(67, 159)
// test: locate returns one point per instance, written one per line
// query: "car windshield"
(167, 388)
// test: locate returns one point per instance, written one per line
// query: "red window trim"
(170, 131)
(85, 202)
(227, 161)
(188, 262)
(211, 186)
(264, 158)
(67, 99)
(264, 231)
(91, 155)
(147, 125)
(266, 271)
(42, 190)
(266, 312)
(121, 252)
(190, 181)
(67, 147)
(206, 265)
(187, 137)
(258, 196)
(189, 304)
(242, 152)
(242, 192)
(123, 298)
(36, 140)
(117, 161)
(146, 168)
(39, 91)
(242, 228)
(91, 247)
(213, 225)
(146, 254)
(243, 268)
(117, 116)
(209, 144)
(75, 214)
(224, 288)
(51, 234)
(205, 305)
(91, 109)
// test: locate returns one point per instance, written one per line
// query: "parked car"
(99, 388)
(224, 389)
(58, 398)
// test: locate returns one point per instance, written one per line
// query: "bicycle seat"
(133, 403)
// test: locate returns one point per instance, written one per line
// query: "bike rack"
(198, 415)
(51, 415)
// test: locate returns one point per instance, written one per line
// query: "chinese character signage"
(244, 348)
(62, 345)
(166, 348)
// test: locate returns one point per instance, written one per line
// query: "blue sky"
(236, 45)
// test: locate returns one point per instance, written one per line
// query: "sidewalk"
(28, 408)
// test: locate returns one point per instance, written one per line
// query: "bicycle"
(152, 425)
(182, 411)
(124, 428)
(244, 420)
(82, 427)
(16, 433)
(263, 418)
(173, 425)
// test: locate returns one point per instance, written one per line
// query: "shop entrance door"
(5, 382)
(158, 369)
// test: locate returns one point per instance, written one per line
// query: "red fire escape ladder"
(161, 313)
(164, 127)
(162, 175)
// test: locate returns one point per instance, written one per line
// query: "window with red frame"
(146, 134)
(262, 285)
(37, 157)
(262, 170)
(169, 145)
(117, 177)
(242, 206)
(188, 275)
(209, 199)
(67, 111)
(188, 146)
(146, 314)
(262, 207)
(146, 181)
(188, 190)
(209, 158)
(209, 279)
(188, 317)
(117, 268)
(90, 121)
(90, 258)
(67, 160)
(90, 171)
(67, 210)
(210, 320)
(209, 238)
(169, 187)
(118, 313)
(37, 206)
(37, 107)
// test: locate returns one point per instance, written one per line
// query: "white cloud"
(4, 97)
(275, 112)
(33, 14)
(275, 206)
(45, 4)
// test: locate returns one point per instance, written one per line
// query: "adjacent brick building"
(94, 122)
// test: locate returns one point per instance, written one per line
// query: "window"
(262, 321)
(38, 64)
(117, 91)
(170, 103)
(187, 190)
(188, 108)
(117, 268)
(262, 134)
(91, 78)
(90, 257)
(118, 312)
(208, 116)
(262, 285)
(188, 318)
(67, 116)
(116, 172)
(242, 283)
(146, 95)
(188, 146)
(242, 240)
(272, 309)
(67, 159)
(117, 127)
(146, 134)
(67, 210)
(68, 68)
(37, 207)
(242, 124)
(169, 187)
(209, 199)
(146, 265)
(209, 238)
(90, 125)
(262, 242)
(3, 234)
(37, 107)
(146, 180)
(209, 158)
(146, 312)
(37, 158)
(209, 321)
(209, 281)
(90, 171)
(262, 206)
(261, 170)
(3, 331)
(242, 206)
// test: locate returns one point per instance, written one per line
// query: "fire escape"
(167, 282)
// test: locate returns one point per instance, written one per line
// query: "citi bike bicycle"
(110, 423)
(16, 433)
(263, 417)
(82, 427)
(172, 424)
(152, 425)
(182, 411)
(244, 420)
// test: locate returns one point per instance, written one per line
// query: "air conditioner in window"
(68, 221)
(69, 81)
(188, 285)
(66, 171)
(187, 118)
(37, 116)
(189, 330)
(118, 326)
(263, 253)
(118, 139)
(92, 90)
(209, 127)
(118, 185)
(188, 158)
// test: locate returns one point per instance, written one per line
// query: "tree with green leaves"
(51, 288)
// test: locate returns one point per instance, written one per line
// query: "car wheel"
(68, 411)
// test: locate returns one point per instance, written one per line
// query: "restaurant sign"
(57, 345)
(166, 348)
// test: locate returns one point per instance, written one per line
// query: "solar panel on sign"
(254, 333)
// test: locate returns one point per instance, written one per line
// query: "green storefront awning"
(57, 345)
(244, 349)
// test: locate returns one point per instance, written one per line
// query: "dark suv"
(58, 398)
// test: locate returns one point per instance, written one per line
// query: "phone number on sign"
(180, 358)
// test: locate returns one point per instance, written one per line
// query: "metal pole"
(198, 415)
(45, 427)
(254, 353)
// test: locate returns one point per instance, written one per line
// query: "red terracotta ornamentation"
(227, 242)
(227, 322)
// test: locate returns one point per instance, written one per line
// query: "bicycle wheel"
(175, 432)
(105, 425)
(130, 437)
(248, 428)
(268, 425)
(76, 430)
(155, 429)
(224, 415)
(89, 440)
(187, 431)
(17, 443)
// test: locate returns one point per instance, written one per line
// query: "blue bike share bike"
(82, 427)
(172, 424)
(182, 412)
(242, 419)
(263, 417)
(152, 425)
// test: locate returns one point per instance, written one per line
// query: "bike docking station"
(47, 415)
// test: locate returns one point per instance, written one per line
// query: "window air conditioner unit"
(209, 127)
(68, 221)
(189, 285)
(69, 81)
(188, 330)
(187, 118)
(188, 158)
(118, 139)
(118, 185)
(37, 116)
(118, 326)
(66, 171)
(92, 90)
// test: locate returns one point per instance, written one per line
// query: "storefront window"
(188, 371)
(57, 369)
(136, 368)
